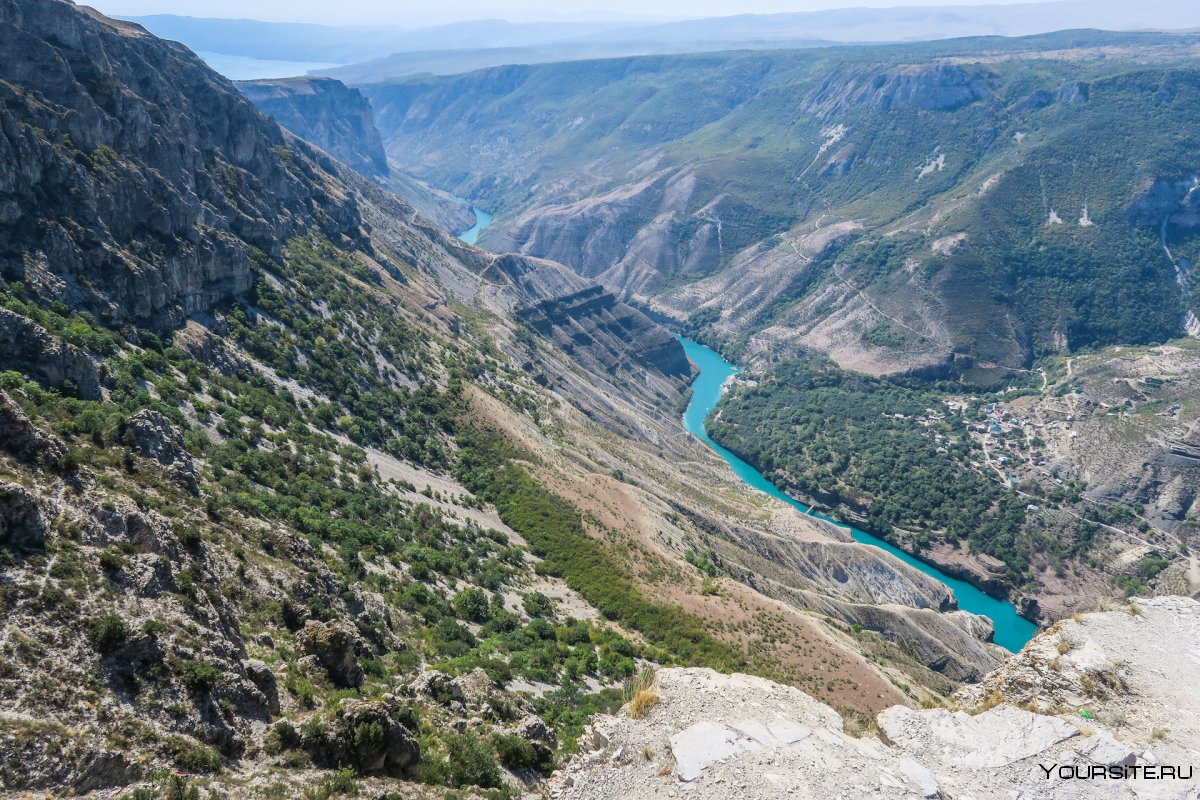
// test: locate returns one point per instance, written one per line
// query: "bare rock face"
(153, 436)
(539, 736)
(167, 175)
(206, 346)
(1161, 198)
(368, 736)
(22, 525)
(327, 113)
(930, 87)
(27, 346)
(21, 439)
(335, 646)
(258, 673)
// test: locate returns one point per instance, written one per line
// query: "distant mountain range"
(383, 53)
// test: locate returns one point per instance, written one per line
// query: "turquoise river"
(1012, 630)
(482, 220)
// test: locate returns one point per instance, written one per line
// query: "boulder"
(258, 673)
(152, 436)
(30, 348)
(21, 522)
(368, 736)
(22, 440)
(533, 730)
(1103, 749)
(436, 685)
(473, 689)
(335, 646)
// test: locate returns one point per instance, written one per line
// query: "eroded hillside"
(949, 207)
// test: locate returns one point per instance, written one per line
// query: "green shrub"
(192, 756)
(112, 560)
(471, 762)
(199, 676)
(537, 604)
(178, 788)
(555, 531)
(514, 751)
(341, 784)
(107, 633)
(472, 604)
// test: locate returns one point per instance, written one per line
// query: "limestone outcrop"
(368, 736)
(27, 346)
(153, 436)
(327, 113)
(335, 647)
(22, 525)
(24, 441)
(1118, 700)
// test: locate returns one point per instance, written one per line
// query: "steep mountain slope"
(339, 120)
(292, 481)
(813, 197)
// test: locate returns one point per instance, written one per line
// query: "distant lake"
(245, 68)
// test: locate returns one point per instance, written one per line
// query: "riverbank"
(981, 571)
(1012, 631)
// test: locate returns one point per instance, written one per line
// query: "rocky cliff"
(325, 112)
(139, 185)
(136, 183)
(1096, 708)
(339, 120)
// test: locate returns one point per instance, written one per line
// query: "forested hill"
(951, 206)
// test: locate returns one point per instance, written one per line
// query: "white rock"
(995, 738)
(788, 733)
(756, 730)
(922, 778)
(702, 744)
(1104, 749)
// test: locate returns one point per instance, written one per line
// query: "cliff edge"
(1099, 706)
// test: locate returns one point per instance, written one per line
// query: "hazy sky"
(426, 13)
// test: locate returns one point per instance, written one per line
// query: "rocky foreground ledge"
(1105, 705)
